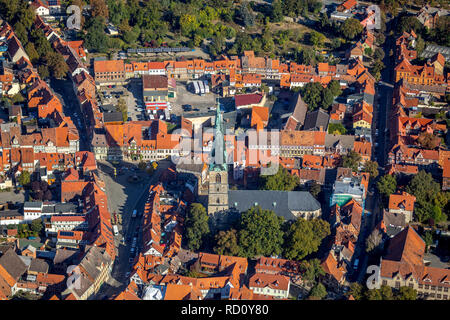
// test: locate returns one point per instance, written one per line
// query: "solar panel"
(66, 233)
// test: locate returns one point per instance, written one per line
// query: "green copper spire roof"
(218, 161)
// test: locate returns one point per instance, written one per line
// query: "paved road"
(383, 103)
(135, 198)
(64, 91)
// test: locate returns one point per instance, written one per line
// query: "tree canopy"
(429, 200)
(227, 243)
(282, 180)
(260, 233)
(352, 160)
(351, 28)
(387, 185)
(372, 168)
(196, 226)
(304, 237)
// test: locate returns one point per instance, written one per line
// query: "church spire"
(218, 161)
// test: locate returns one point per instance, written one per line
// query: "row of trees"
(257, 232)
(360, 292)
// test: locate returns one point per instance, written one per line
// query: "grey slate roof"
(112, 116)
(64, 256)
(394, 222)
(91, 266)
(281, 202)
(316, 120)
(299, 109)
(11, 262)
(65, 208)
(345, 141)
(38, 265)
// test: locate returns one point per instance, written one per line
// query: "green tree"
(36, 225)
(352, 160)
(356, 290)
(423, 187)
(386, 293)
(58, 67)
(327, 98)
(387, 185)
(277, 11)
(316, 38)
(428, 238)
(122, 107)
(32, 53)
(196, 226)
(378, 54)
(315, 189)
(378, 66)
(24, 178)
(312, 94)
(335, 88)
(96, 39)
(282, 180)
(368, 51)
(311, 270)
(408, 23)
(227, 243)
(43, 72)
(336, 128)
(407, 293)
(260, 233)
(306, 56)
(247, 17)
(373, 294)
(372, 168)
(351, 28)
(304, 237)
(21, 33)
(318, 291)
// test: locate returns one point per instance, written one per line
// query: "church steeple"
(218, 161)
(218, 173)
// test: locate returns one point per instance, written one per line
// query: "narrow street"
(382, 108)
(135, 199)
(64, 91)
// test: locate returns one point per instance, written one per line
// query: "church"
(288, 204)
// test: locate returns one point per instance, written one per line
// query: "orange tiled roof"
(403, 201)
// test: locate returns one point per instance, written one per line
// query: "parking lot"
(132, 93)
(184, 96)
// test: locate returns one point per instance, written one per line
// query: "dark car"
(187, 107)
